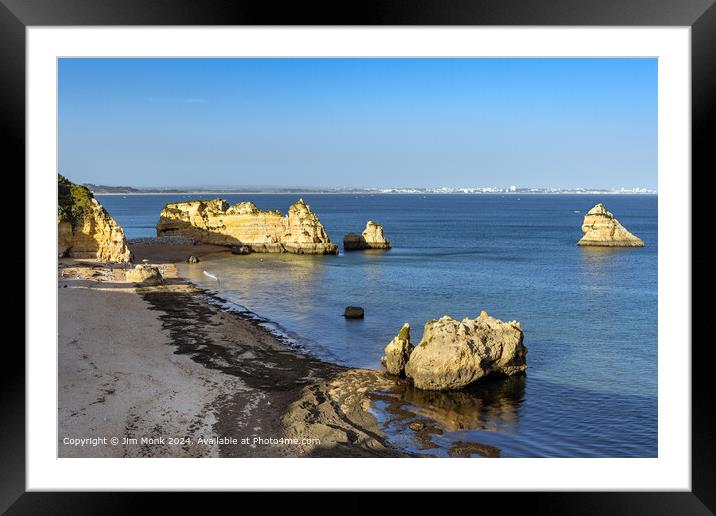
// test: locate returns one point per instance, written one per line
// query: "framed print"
(444, 248)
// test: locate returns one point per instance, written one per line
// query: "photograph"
(357, 257)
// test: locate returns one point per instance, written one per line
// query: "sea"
(589, 315)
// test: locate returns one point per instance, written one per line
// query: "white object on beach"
(213, 276)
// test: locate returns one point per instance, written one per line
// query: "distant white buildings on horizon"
(510, 189)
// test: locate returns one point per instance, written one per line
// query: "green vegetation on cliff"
(72, 200)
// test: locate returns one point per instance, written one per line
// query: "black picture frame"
(700, 15)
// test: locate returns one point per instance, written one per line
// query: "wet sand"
(161, 363)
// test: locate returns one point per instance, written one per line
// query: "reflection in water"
(301, 275)
(491, 406)
(598, 262)
(373, 265)
(413, 415)
(598, 253)
(468, 449)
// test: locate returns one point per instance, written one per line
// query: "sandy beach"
(167, 373)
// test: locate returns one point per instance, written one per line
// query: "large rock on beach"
(371, 238)
(145, 275)
(397, 352)
(600, 228)
(85, 229)
(244, 225)
(453, 354)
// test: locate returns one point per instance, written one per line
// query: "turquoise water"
(589, 315)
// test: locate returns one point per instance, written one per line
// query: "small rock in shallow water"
(416, 426)
(353, 312)
(241, 249)
(192, 259)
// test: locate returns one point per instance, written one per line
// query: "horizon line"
(105, 190)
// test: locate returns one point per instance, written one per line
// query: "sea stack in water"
(602, 229)
(85, 229)
(453, 354)
(371, 238)
(243, 224)
(398, 351)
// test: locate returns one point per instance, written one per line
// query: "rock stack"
(244, 226)
(453, 354)
(371, 238)
(600, 228)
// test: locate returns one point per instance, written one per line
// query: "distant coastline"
(385, 191)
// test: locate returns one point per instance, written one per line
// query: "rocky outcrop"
(354, 312)
(144, 275)
(243, 224)
(85, 229)
(453, 354)
(397, 352)
(602, 229)
(371, 238)
(240, 249)
(338, 417)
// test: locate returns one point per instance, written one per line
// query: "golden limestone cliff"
(85, 229)
(215, 222)
(602, 229)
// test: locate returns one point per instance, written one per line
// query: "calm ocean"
(589, 314)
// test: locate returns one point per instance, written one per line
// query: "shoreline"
(168, 361)
(197, 364)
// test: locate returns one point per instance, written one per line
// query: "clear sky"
(359, 122)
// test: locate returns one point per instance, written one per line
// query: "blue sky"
(359, 122)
